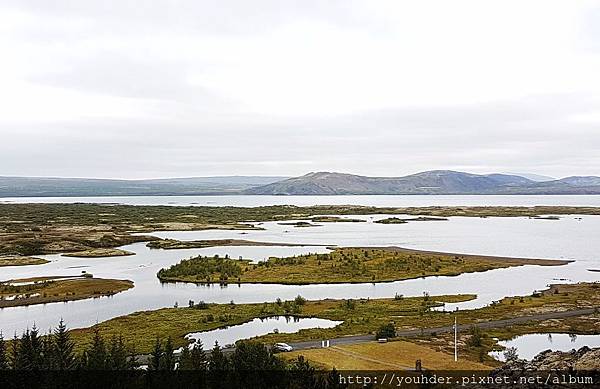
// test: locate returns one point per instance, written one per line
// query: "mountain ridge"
(429, 182)
(440, 182)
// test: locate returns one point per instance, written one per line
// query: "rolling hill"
(430, 182)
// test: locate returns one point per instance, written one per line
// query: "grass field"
(397, 355)
(358, 316)
(344, 265)
(363, 316)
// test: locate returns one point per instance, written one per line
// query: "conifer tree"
(218, 360)
(64, 358)
(185, 359)
(198, 357)
(96, 356)
(3, 356)
(156, 356)
(117, 354)
(168, 361)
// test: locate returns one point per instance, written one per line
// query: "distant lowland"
(437, 182)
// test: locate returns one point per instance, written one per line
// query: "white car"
(283, 347)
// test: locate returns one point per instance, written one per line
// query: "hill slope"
(430, 182)
(43, 187)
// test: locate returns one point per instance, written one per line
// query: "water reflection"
(528, 346)
(258, 327)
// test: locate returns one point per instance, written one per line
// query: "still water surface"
(570, 237)
(530, 345)
(258, 327)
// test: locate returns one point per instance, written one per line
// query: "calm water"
(258, 327)
(567, 238)
(370, 200)
(528, 346)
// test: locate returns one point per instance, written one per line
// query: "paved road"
(461, 327)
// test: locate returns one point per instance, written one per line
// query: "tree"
(185, 359)
(198, 357)
(16, 361)
(63, 356)
(30, 350)
(95, 358)
(168, 357)
(476, 339)
(250, 355)
(217, 368)
(302, 374)
(117, 355)
(218, 361)
(3, 356)
(156, 356)
(386, 331)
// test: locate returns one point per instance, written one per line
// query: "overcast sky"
(141, 89)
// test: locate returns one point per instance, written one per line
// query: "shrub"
(386, 331)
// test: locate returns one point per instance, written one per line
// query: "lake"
(258, 327)
(569, 237)
(530, 345)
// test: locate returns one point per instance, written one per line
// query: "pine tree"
(168, 362)
(48, 353)
(185, 359)
(117, 354)
(218, 365)
(16, 361)
(198, 357)
(218, 360)
(132, 360)
(3, 356)
(64, 358)
(96, 356)
(156, 356)
(29, 355)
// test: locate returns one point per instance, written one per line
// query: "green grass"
(361, 316)
(343, 265)
(54, 289)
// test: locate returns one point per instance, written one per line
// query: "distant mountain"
(534, 177)
(581, 181)
(319, 183)
(430, 182)
(44, 187)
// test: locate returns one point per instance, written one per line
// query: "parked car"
(282, 347)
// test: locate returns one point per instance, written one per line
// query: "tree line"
(251, 364)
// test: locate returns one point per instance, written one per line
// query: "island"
(50, 289)
(19, 260)
(343, 265)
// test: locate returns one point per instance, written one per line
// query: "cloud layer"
(186, 88)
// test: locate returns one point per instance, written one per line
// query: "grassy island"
(98, 253)
(397, 220)
(42, 290)
(18, 260)
(343, 265)
(172, 244)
